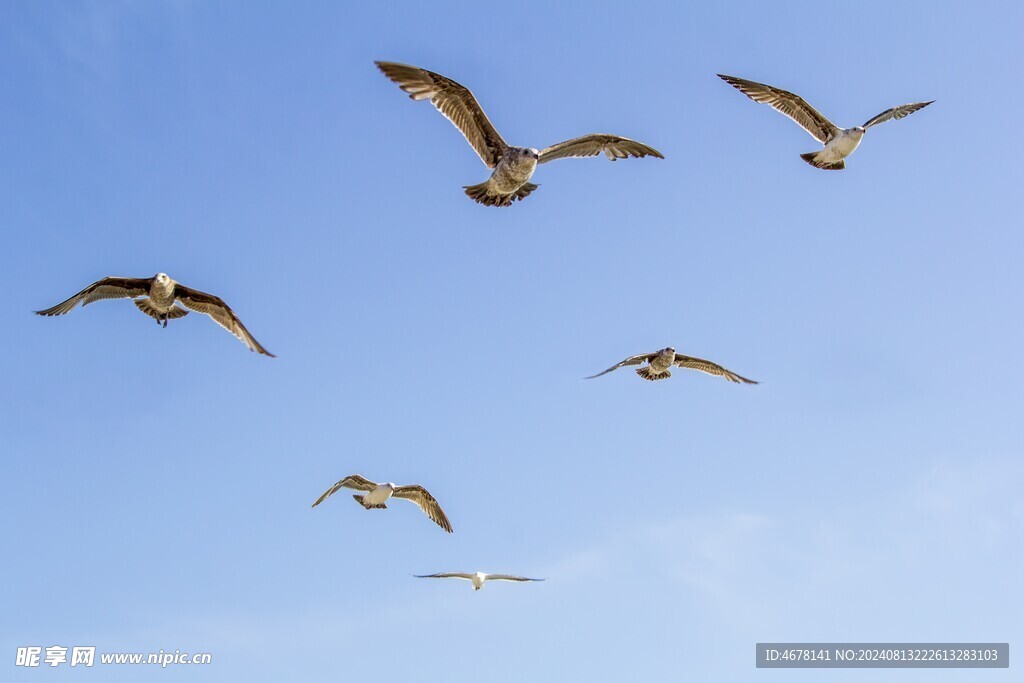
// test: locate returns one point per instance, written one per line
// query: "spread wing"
(445, 575)
(785, 102)
(613, 146)
(426, 502)
(214, 306)
(508, 577)
(353, 481)
(632, 360)
(896, 113)
(107, 288)
(455, 101)
(710, 368)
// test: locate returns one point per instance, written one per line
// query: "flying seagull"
(377, 494)
(659, 362)
(161, 293)
(839, 142)
(513, 166)
(478, 578)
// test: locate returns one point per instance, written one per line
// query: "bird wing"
(353, 481)
(426, 502)
(221, 314)
(107, 288)
(896, 113)
(613, 146)
(457, 104)
(508, 577)
(445, 575)
(710, 368)
(785, 102)
(632, 360)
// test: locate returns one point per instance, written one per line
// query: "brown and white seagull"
(161, 293)
(513, 166)
(839, 142)
(377, 494)
(477, 578)
(659, 362)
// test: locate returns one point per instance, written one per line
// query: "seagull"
(839, 142)
(659, 362)
(161, 293)
(478, 578)
(513, 166)
(378, 493)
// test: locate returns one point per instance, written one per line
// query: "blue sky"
(156, 484)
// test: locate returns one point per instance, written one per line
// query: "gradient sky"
(155, 485)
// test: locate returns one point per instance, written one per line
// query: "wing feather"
(453, 100)
(220, 312)
(426, 502)
(508, 577)
(353, 481)
(710, 368)
(632, 360)
(788, 104)
(107, 288)
(613, 146)
(896, 113)
(445, 575)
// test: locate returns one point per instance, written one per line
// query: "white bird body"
(379, 495)
(842, 145)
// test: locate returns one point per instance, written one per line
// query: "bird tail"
(146, 307)
(483, 194)
(646, 373)
(813, 160)
(378, 506)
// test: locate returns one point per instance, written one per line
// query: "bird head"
(858, 129)
(162, 278)
(530, 152)
(668, 350)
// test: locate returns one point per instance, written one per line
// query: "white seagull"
(161, 293)
(659, 362)
(377, 494)
(513, 166)
(477, 578)
(839, 142)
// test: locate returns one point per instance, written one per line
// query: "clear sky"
(156, 484)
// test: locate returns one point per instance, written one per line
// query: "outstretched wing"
(445, 575)
(632, 360)
(455, 101)
(785, 102)
(353, 481)
(426, 502)
(613, 146)
(107, 288)
(896, 113)
(508, 577)
(214, 306)
(710, 368)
